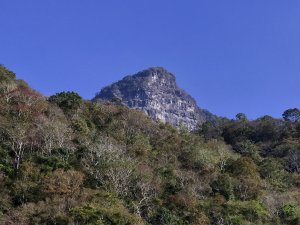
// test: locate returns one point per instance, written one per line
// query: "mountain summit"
(155, 92)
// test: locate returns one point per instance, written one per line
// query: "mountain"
(155, 92)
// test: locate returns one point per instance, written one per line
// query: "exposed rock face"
(155, 92)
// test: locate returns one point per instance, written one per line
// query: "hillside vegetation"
(64, 160)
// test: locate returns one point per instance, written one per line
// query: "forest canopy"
(65, 160)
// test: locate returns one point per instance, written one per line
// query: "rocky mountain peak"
(154, 76)
(157, 73)
(155, 92)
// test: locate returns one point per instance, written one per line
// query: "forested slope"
(64, 160)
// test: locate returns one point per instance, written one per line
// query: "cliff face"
(155, 92)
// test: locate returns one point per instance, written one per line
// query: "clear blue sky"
(231, 56)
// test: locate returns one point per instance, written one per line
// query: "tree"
(108, 166)
(8, 90)
(237, 131)
(247, 187)
(21, 101)
(145, 194)
(292, 115)
(247, 148)
(223, 185)
(69, 102)
(211, 129)
(241, 116)
(63, 182)
(52, 133)
(27, 186)
(17, 140)
(273, 171)
(267, 129)
(293, 161)
(243, 166)
(5, 200)
(28, 104)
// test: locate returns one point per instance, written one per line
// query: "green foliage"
(293, 161)
(237, 131)
(292, 115)
(139, 145)
(288, 212)
(211, 129)
(167, 217)
(69, 102)
(247, 148)
(87, 215)
(224, 186)
(247, 188)
(274, 172)
(5, 161)
(52, 163)
(242, 167)
(104, 209)
(241, 116)
(6, 75)
(245, 212)
(27, 187)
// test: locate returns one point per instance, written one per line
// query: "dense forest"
(64, 160)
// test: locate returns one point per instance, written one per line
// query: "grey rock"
(155, 92)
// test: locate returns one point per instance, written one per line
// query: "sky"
(232, 56)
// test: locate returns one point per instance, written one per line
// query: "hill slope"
(64, 161)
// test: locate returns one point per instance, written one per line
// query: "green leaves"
(6, 75)
(69, 102)
(292, 115)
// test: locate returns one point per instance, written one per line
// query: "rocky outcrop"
(155, 92)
